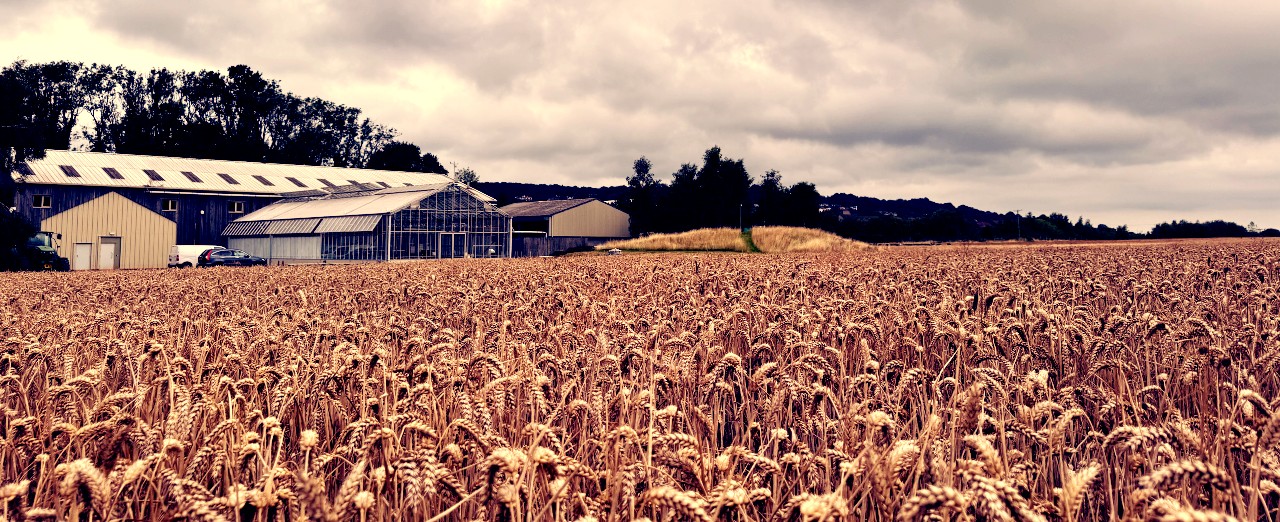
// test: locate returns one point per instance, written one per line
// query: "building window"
(227, 178)
(264, 181)
(69, 171)
(41, 201)
(327, 183)
(168, 205)
(295, 181)
(112, 173)
(155, 176)
(191, 176)
(25, 170)
(353, 182)
(384, 184)
(235, 207)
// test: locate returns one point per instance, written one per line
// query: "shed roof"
(542, 208)
(131, 171)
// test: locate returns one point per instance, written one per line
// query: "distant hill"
(862, 206)
(507, 193)
(921, 219)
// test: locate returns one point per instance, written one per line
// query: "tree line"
(718, 193)
(237, 115)
(721, 193)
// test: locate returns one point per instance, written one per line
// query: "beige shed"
(569, 218)
(112, 232)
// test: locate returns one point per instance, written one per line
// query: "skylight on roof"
(155, 176)
(263, 180)
(227, 178)
(353, 182)
(192, 176)
(327, 183)
(295, 181)
(69, 171)
(112, 173)
(384, 184)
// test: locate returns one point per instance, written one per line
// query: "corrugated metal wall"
(255, 246)
(145, 236)
(286, 247)
(591, 219)
(199, 218)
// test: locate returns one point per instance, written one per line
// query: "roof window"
(227, 178)
(327, 183)
(155, 176)
(263, 180)
(295, 181)
(192, 176)
(69, 171)
(112, 173)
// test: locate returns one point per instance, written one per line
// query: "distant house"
(547, 227)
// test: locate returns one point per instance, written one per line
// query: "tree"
(722, 186)
(681, 203)
(642, 198)
(430, 163)
(802, 201)
(397, 155)
(466, 176)
(773, 199)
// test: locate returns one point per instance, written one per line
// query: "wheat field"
(1063, 383)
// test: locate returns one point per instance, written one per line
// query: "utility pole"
(1018, 214)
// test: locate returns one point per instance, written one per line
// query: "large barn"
(125, 211)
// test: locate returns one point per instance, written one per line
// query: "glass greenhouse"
(417, 222)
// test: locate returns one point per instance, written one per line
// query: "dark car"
(228, 257)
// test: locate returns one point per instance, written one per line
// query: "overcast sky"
(1133, 112)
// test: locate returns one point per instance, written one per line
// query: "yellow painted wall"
(591, 219)
(145, 236)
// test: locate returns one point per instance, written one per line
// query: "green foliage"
(466, 176)
(236, 115)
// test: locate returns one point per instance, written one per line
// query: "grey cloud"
(1088, 103)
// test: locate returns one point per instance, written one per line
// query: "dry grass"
(799, 239)
(1128, 382)
(714, 239)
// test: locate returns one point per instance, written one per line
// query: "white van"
(184, 256)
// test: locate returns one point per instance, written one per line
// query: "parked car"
(227, 257)
(184, 256)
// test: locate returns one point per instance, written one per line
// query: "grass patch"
(798, 239)
(757, 239)
(718, 239)
(746, 240)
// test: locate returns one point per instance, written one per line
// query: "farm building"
(545, 227)
(442, 220)
(124, 211)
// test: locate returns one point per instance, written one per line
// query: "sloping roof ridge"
(210, 160)
(549, 206)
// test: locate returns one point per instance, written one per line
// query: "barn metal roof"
(246, 228)
(349, 224)
(131, 171)
(283, 227)
(322, 208)
(542, 208)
